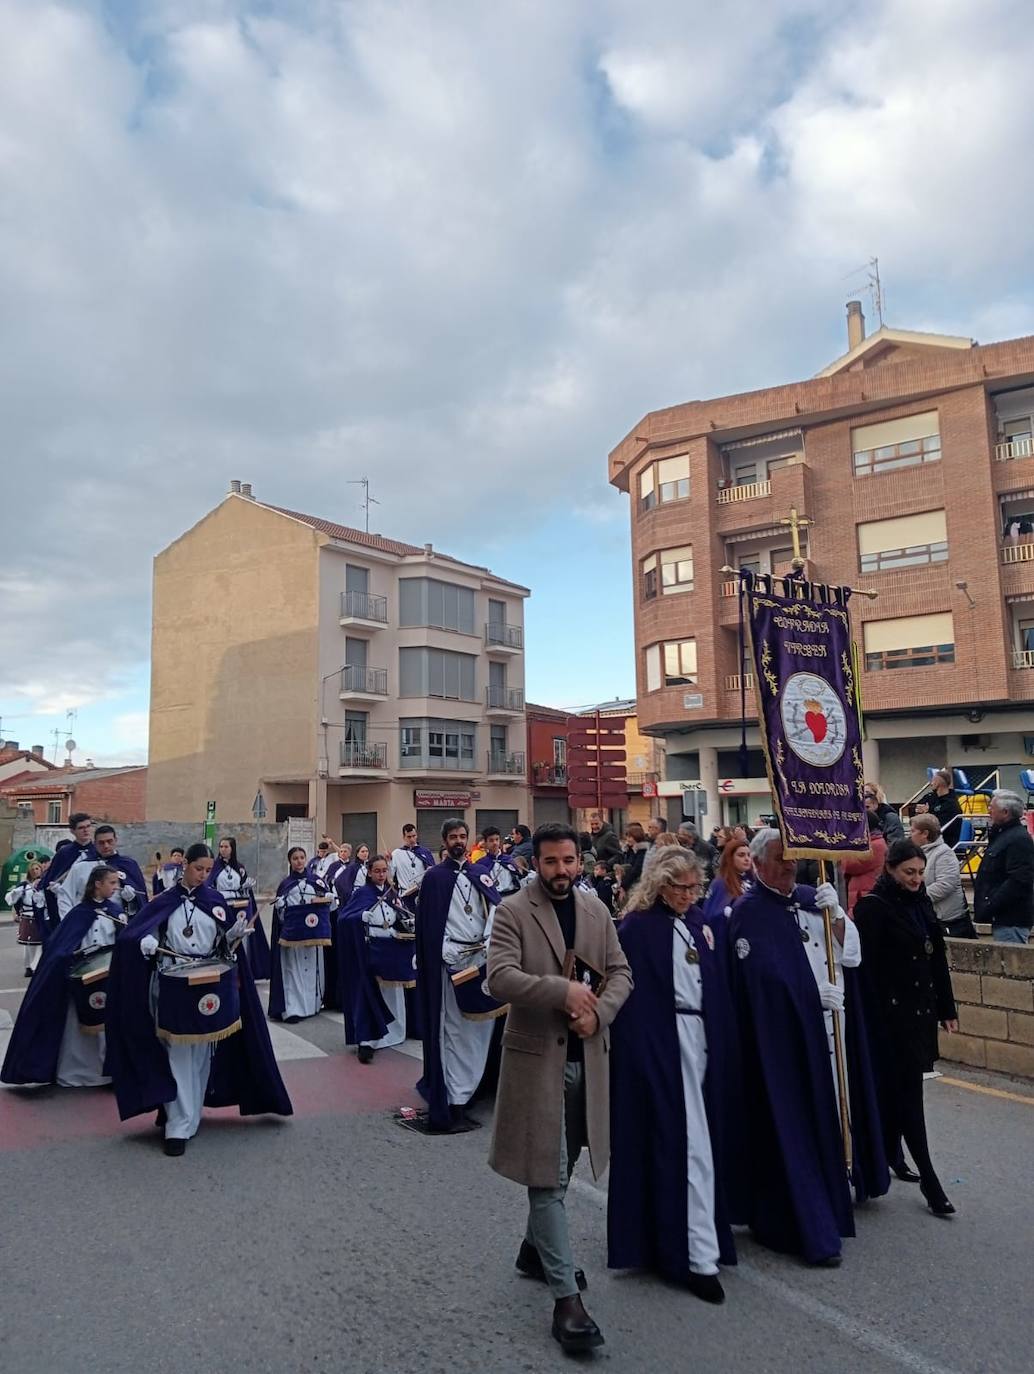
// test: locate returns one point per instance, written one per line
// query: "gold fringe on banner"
(303, 944)
(172, 1039)
(485, 1015)
(390, 983)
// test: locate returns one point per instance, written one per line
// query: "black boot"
(365, 1055)
(529, 1264)
(175, 1147)
(707, 1287)
(573, 1327)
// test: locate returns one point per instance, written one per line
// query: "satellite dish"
(70, 745)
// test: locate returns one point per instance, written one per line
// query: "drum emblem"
(742, 948)
(209, 1004)
(312, 920)
(219, 912)
(98, 1000)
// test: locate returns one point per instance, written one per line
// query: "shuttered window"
(907, 541)
(916, 641)
(892, 444)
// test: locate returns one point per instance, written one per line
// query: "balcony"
(1023, 658)
(549, 774)
(504, 639)
(733, 681)
(504, 701)
(363, 684)
(504, 764)
(362, 608)
(747, 491)
(1018, 553)
(1021, 446)
(360, 756)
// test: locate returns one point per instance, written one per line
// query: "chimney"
(235, 487)
(429, 550)
(855, 325)
(37, 751)
(10, 744)
(246, 490)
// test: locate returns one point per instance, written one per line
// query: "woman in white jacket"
(943, 879)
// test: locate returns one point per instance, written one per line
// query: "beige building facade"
(350, 678)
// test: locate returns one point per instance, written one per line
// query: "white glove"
(249, 884)
(149, 946)
(128, 893)
(279, 904)
(826, 895)
(39, 898)
(238, 928)
(831, 996)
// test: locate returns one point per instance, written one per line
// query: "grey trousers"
(547, 1219)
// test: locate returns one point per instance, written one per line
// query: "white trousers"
(700, 1231)
(32, 954)
(463, 1046)
(80, 1060)
(395, 1000)
(302, 971)
(190, 1065)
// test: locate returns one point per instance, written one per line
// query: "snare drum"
(392, 959)
(469, 985)
(198, 1003)
(28, 928)
(88, 984)
(306, 924)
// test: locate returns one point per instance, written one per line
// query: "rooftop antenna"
(368, 500)
(873, 285)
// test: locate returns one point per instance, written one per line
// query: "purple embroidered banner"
(807, 711)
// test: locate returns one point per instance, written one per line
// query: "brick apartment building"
(108, 794)
(912, 456)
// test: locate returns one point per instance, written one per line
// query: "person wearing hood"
(377, 965)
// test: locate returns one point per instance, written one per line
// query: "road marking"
(9, 992)
(855, 1331)
(288, 1045)
(989, 1092)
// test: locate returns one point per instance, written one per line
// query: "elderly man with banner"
(803, 1142)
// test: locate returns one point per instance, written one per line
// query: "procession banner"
(804, 680)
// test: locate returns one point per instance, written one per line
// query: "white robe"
(302, 968)
(80, 1060)
(69, 890)
(379, 920)
(35, 898)
(701, 1236)
(847, 956)
(190, 1064)
(463, 1045)
(406, 868)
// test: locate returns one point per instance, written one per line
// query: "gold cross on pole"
(796, 523)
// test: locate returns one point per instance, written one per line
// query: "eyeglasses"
(685, 887)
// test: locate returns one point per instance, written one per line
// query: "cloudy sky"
(460, 247)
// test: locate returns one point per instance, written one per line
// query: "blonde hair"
(927, 825)
(669, 868)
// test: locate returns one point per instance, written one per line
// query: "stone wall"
(994, 990)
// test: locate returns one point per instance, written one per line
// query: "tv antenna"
(873, 285)
(368, 500)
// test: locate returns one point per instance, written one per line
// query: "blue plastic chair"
(1027, 780)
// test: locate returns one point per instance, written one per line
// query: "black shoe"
(830, 1262)
(175, 1147)
(906, 1174)
(529, 1264)
(573, 1327)
(365, 1054)
(291, 1020)
(707, 1287)
(29, 972)
(938, 1205)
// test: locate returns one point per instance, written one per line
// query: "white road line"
(287, 1045)
(7, 992)
(855, 1331)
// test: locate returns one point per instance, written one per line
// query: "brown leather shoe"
(573, 1327)
(529, 1263)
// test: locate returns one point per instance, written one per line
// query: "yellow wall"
(233, 661)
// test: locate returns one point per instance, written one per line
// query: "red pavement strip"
(336, 1086)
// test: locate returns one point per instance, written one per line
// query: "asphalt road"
(336, 1241)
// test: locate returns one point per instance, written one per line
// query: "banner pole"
(838, 1039)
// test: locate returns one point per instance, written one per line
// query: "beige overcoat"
(525, 968)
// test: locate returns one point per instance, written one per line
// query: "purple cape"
(134, 877)
(793, 1190)
(432, 912)
(32, 1054)
(62, 861)
(244, 1071)
(276, 973)
(366, 1013)
(647, 1204)
(256, 946)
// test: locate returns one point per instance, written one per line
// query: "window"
(676, 572)
(441, 744)
(425, 672)
(440, 605)
(908, 541)
(894, 444)
(357, 579)
(671, 665)
(54, 813)
(743, 474)
(917, 641)
(355, 726)
(496, 612)
(664, 481)
(559, 752)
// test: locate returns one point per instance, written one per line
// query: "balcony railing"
(637, 777)
(355, 754)
(1018, 553)
(732, 681)
(504, 636)
(364, 606)
(748, 491)
(504, 698)
(1023, 658)
(549, 775)
(731, 586)
(500, 761)
(368, 681)
(1022, 446)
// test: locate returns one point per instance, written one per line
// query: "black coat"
(890, 823)
(1004, 890)
(905, 974)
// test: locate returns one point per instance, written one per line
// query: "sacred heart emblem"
(98, 1000)
(209, 1004)
(815, 720)
(312, 920)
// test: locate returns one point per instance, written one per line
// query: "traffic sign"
(589, 801)
(606, 772)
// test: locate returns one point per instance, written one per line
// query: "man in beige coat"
(554, 1083)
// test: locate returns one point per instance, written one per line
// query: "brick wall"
(121, 797)
(994, 990)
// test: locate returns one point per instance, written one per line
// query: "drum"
(28, 927)
(472, 996)
(392, 959)
(198, 1003)
(88, 984)
(305, 924)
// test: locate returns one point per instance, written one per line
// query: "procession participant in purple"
(325, 863)
(179, 1076)
(409, 862)
(733, 879)
(48, 1043)
(375, 1011)
(80, 849)
(353, 875)
(793, 1190)
(670, 1068)
(132, 889)
(501, 868)
(297, 978)
(453, 918)
(328, 865)
(168, 874)
(230, 879)
(29, 903)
